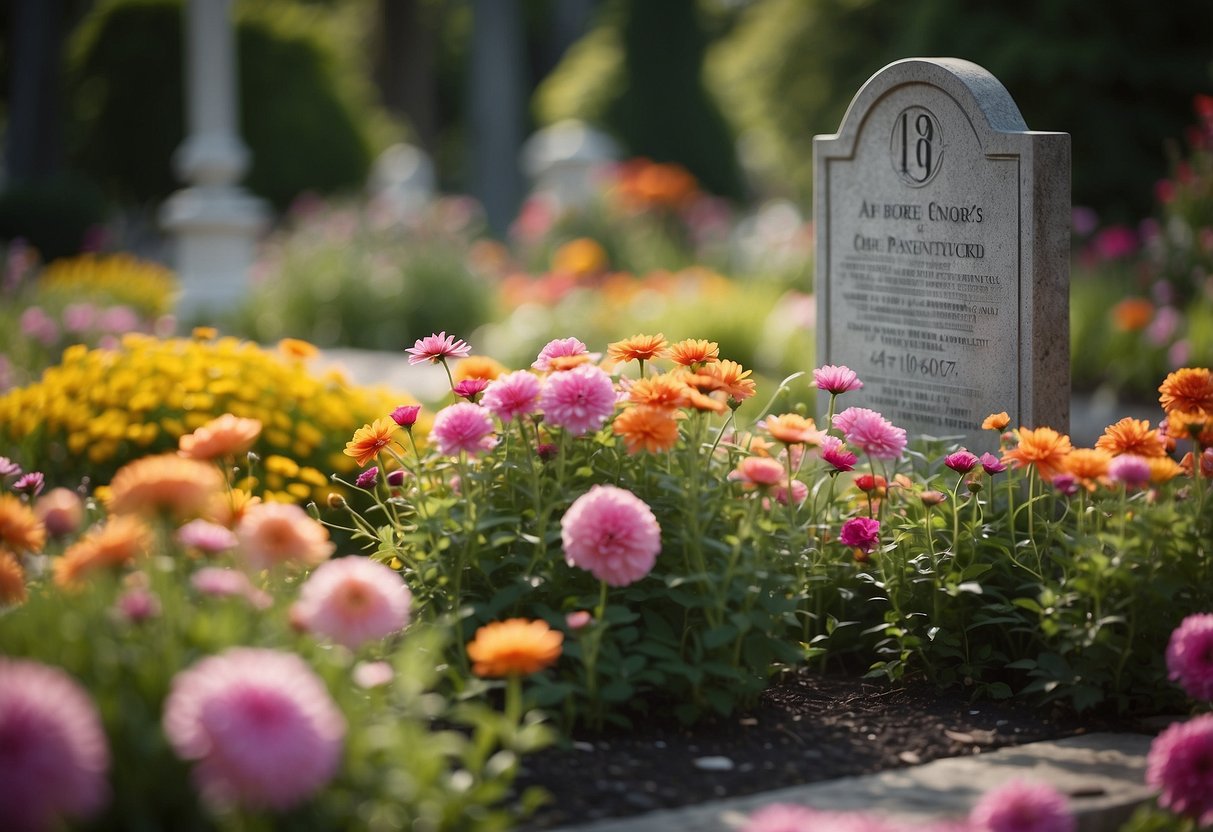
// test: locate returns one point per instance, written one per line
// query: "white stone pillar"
(214, 220)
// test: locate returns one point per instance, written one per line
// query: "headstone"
(942, 228)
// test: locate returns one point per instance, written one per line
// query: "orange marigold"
(996, 421)
(693, 352)
(1191, 424)
(638, 348)
(665, 390)
(647, 428)
(225, 436)
(733, 379)
(1044, 449)
(1163, 469)
(1189, 389)
(1088, 464)
(298, 349)
(793, 429)
(113, 545)
(1132, 436)
(12, 579)
(20, 528)
(478, 366)
(515, 646)
(1132, 314)
(370, 439)
(166, 483)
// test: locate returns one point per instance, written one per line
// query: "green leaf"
(718, 636)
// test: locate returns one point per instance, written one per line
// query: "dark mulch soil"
(808, 729)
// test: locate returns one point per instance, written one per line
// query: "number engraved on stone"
(916, 146)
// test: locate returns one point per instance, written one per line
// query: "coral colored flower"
(558, 348)
(53, 753)
(871, 433)
(1088, 464)
(836, 379)
(1132, 471)
(229, 583)
(1190, 656)
(1180, 766)
(835, 452)
(579, 400)
(694, 352)
(278, 533)
(353, 601)
(646, 428)
(165, 484)
(435, 348)
(1190, 389)
(962, 462)
(732, 378)
(370, 439)
(297, 349)
(567, 362)
(1132, 314)
(469, 388)
(20, 528)
(225, 436)
(207, 537)
(1132, 436)
(869, 483)
(463, 427)
(61, 512)
(12, 580)
(991, 464)
(406, 415)
(612, 533)
(862, 533)
(1020, 806)
(1044, 449)
(31, 483)
(513, 396)
(115, 544)
(759, 471)
(514, 647)
(663, 390)
(478, 366)
(259, 725)
(996, 422)
(638, 348)
(368, 478)
(793, 429)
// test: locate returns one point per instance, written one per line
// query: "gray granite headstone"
(943, 241)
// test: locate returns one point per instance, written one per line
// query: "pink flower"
(439, 347)
(208, 537)
(463, 427)
(271, 534)
(368, 478)
(396, 478)
(758, 471)
(782, 817)
(962, 462)
(871, 433)
(578, 400)
(862, 533)
(559, 348)
(1180, 765)
(138, 605)
(228, 583)
(406, 415)
(611, 533)
(836, 379)
(53, 751)
(513, 396)
(1129, 469)
(835, 452)
(1190, 656)
(31, 483)
(991, 464)
(261, 725)
(1066, 484)
(373, 674)
(799, 492)
(1020, 806)
(470, 388)
(8, 468)
(578, 619)
(353, 601)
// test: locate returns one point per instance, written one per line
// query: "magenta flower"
(368, 478)
(353, 601)
(1129, 469)
(435, 348)
(513, 396)
(31, 483)
(470, 388)
(260, 724)
(1190, 656)
(8, 468)
(406, 414)
(1180, 765)
(396, 478)
(229, 583)
(1020, 806)
(559, 348)
(759, 472)
(862, 533)
(611, 533)
(1066, 484)
(836, 379)
(578, 400)
(991, 464)
(962, 462)
(463, 427)
(53, 752)
(871, 433)
(836, 453)
(210, 538)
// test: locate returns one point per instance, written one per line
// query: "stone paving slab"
(1104, 775)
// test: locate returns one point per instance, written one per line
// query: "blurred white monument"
(214, 220)
(564, 160)
(402, 181)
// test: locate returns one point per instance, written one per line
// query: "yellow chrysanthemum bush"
(147, 287)
(101, 408)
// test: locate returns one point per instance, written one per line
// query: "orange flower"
(165, 483)
(1132, 314)
(793, 429)
(665, 390)
(226, 436)
(204, 333)
(297, 349)
(20, 529)
(752, 443)
(647, 428)
(1163, 469)
(732, 378)
(693, 352)
(279, 533)
(638, 348)
(1044, 448)
(113, 545)
(560, 363)
(1088, 464)
(369, 440)
(1131, 436)
(12, 579)
(582, 257)
(515, 646)
(996, 421)
(228, 508)
(1188, 389)
(704, 402)
(478, 366)
(1191, 424)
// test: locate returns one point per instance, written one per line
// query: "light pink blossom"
(836, 379)
(273, 534)
(1190, 656)
(373, 674)
(579, 400)
(463, 427)
(1180, 766)
(353, 601)
(758, 471)
(438, 347)
(612, 533)
(871, 433)
(206, 536)
(558, 348)
(218, 582)
(800, 492)
(513, 396)
(1021, 806)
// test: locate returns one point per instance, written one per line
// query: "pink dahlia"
(260, 724)
(835, 452)
(836, 379)
(846, 418)
(860, 532)
(1190, 656)
(612, 533)
(435, 348)
(558, 348)
(353, 601)
(1180, 765)
(53, 752)
(463, 427)
(1131, 470)
(759, 471)
(1020, 806)
(513, 396)
(871, 433)
(578, 400)
(962, 462)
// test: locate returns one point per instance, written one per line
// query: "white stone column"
(214, 220)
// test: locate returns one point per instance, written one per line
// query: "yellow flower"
(478, 366)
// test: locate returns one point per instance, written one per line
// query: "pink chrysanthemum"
(435, 348)
(353, 601)
(871, 433)
(1021, 806)
(578, 400)
(1190, 656)
(229, 583)
(463, 427)
(962, 462)
(1180, 765)
(260, 724)
(271, 534)
(835, 452)
(612, 533)
(558, 348)
(759, 471)
(836, 379)
(53, 752)
(862, 533)
(207, 537)
(513, 396)
(1132, 470)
